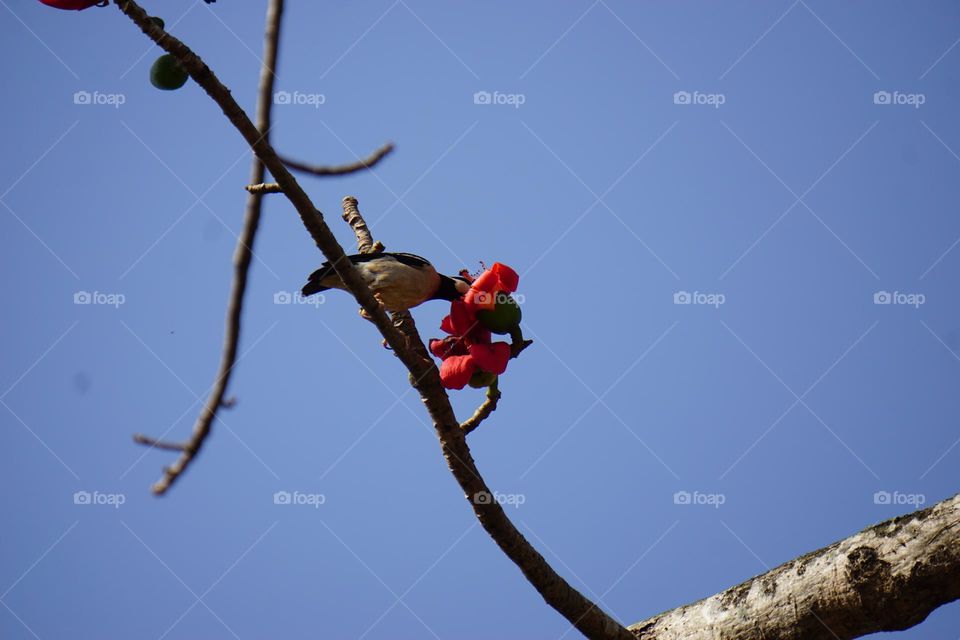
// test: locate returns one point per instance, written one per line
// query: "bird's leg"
(367, 316)
(363, 312)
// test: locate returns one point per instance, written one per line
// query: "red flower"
(468, 349)
(461, 361)
(483, 290)
(77, 5)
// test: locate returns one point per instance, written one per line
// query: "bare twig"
(517, 342)
(484, 410)
(351, 215)
(408, 346)
(241, 267)
(263, 187)
(159, 444)
(365, 243)
(342, 169)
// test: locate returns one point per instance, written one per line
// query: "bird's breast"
(400, 286)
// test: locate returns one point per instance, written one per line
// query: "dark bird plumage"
(399, 280)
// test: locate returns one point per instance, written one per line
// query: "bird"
(400, 281)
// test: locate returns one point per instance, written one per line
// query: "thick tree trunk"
(886, 578)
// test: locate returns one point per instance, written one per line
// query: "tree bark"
(888, 577)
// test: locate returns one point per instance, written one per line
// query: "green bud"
(167, 74)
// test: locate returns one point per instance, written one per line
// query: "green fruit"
(504, 316)
(167, 74)
(157, 21)
(481, 379)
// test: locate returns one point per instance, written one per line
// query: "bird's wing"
(325, 277)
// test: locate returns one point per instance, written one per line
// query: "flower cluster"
(469, 355)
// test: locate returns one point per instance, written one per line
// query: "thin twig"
(241, 268)
(351, 215)
(263, 187)
(408, 346)
(158, 444)
(341, 169)
(323, 170)
(484, 410)
(365, 244)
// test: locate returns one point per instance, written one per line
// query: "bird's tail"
(315, 281)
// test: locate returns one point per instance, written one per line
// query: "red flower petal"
(449, 346)
(479, 335)
(491, 357)
(479, 300)
(439, 348)
(461, 319)
(455, 371)
(486, 281)
(446, 324)
(71, 4)
(509, 280)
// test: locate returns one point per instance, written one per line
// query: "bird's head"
(451, 288)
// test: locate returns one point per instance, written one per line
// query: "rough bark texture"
(886, 578)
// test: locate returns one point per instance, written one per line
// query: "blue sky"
(788, 169)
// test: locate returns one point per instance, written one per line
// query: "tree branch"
(322, 170)
(241, 268)
(351, 215)
(343, 169)
(408, 346)
(885, 578)
(139, 438)
(484, 410)
(263, 187)
(888, 577)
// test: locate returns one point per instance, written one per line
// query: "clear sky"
(781, 195)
